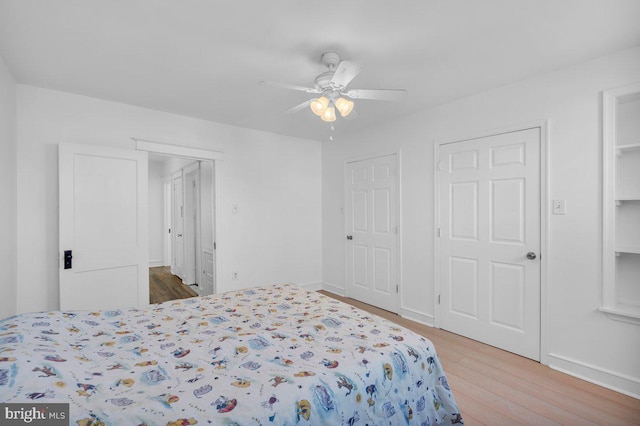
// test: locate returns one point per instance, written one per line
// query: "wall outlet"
(234, 275)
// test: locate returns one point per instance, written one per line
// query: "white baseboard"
(602, 377)
(407, 313)
(311, 286)
(332, 288)
(154, 263)
(416, 316)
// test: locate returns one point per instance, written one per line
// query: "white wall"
(8, 192)
(174, 164)
(274, 179)
(580, 339)
(156, 214)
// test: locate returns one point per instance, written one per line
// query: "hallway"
(164, 286)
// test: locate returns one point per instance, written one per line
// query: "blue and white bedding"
(276, 355)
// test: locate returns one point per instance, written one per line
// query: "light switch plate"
(559, 207)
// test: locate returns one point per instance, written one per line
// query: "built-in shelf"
(627, 147)
(621, 207)
(621, 201)
(630, 314)
(627, 250)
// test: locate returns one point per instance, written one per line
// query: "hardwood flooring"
(495, 387)
(164, 286)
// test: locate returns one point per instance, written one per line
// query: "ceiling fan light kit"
(344, 106)
(319, 105)
(325, 108)
(329, 115)
(331, 85)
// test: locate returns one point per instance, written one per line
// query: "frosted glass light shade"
(329, 114)
(318, 106)
(344, 106)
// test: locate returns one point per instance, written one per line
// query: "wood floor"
(164, 286)
(495, 387)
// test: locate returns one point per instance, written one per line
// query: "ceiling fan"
(331, 85)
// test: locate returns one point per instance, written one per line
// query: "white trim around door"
(215, 157)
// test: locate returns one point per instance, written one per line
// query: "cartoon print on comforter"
(268, 355)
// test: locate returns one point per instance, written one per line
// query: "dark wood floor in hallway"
(164, 286)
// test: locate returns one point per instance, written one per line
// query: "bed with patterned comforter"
(278, 355)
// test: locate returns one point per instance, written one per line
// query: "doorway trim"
(543, 125)
(162, 148)
(172, 150)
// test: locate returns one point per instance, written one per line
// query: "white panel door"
(207, 272)
(103, 222)
(371, 215)
(490, 240)
(191, 230)
(178, 225)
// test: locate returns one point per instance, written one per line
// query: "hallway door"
(104, 254)
(177, 228)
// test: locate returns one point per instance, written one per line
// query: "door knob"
(349, 237)
(531, 255)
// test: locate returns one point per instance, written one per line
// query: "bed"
(278, 355)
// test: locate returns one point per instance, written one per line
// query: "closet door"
(489, 201)
(372, 228)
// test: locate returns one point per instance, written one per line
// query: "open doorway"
(164, 286)
(181, 227)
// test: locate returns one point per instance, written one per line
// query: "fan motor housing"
(323, 81)
(330, 59)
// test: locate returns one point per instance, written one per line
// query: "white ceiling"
(204, 58)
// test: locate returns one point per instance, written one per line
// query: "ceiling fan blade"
(345, 72)
(299, 107)
(377, 94)
(290, 86)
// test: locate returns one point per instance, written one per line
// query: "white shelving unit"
(621, 210)
(628, 147)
